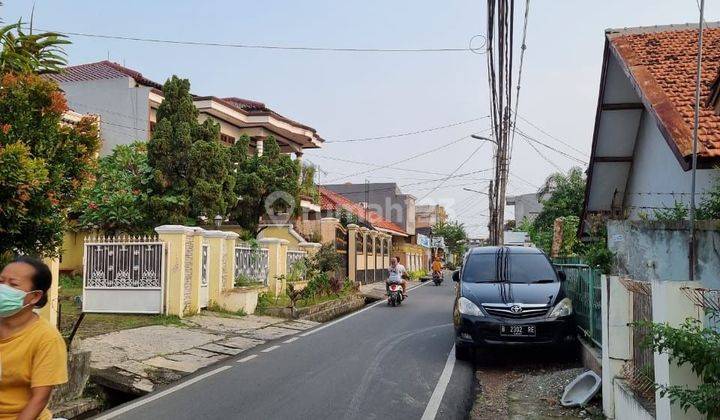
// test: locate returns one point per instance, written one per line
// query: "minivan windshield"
(520, 268)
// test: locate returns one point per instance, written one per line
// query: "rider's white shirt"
(396, 273)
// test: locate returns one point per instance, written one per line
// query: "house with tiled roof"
(642, 141)
(385, 199)
(126, 103)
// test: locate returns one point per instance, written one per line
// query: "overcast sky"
(357, 95)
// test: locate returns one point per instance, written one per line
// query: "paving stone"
(230, 351)
(134, 367)
(200, 352)
(240, 343)
(142, 343)
(188, 366)
(144, 385)
(270, 333)
(300, 325)
(232, 325)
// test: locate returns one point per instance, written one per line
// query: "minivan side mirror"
(456, 275)
(562, 276)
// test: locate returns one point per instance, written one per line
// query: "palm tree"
(31, 53)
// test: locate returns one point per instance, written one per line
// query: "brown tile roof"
(332, 201)
(246, 103)
(662, 63)
(101, 70)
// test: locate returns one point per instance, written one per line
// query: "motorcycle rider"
(396, 274)
(437, 267)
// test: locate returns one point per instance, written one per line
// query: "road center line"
(269, 349)
(329, 324)
(290, 340)
(153, 397)
(245, 359)
(437, 395)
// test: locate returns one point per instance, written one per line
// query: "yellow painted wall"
(71, 257)
(280, 232)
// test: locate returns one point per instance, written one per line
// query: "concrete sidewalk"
(138, 360)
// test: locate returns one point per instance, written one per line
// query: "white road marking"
(330, 324)
(153, 397)
(269, 349)
(290, 340)
(437, 395)
(245, 359)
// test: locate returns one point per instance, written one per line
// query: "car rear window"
(519, 268)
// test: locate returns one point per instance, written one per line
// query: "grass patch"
(97, 324)
(224, 313)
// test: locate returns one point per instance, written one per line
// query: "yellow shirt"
(436, 266)
(35, 356)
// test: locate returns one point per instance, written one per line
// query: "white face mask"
(11, 300)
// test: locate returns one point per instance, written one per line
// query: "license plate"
(517, 330)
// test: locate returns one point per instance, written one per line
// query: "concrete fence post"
(216, 243)
(174, 237)
(229, 249)
(310, 248)
(50, 310)
(616, 310)
(671, 306)
(328, 229)
(277, 255)
(352, 230)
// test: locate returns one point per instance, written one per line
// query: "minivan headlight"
(563, 308)
(466, 307)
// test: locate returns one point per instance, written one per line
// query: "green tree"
(567, 193)
(454, 234)
(710, 205)
(118, 199)
(261, 182)
(43, 163)
(191, 169)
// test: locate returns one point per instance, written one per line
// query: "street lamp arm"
(476, 191)
(478, 137)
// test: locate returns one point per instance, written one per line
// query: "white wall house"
(127, 102)
(642, 142)
(641, 162)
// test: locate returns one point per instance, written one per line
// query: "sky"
(357, 95)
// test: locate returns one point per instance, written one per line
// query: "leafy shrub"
(699, 347)
(336, 285)
(243, 281)
(673, 214)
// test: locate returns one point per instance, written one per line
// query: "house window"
(227, 139)
(152, 128)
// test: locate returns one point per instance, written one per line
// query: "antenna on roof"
(32, 17)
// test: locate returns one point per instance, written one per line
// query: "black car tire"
(463, 352)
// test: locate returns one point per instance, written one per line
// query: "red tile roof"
(662, 63)
(101, 70)
(332, 201)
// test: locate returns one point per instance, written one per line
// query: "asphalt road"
(381, 362)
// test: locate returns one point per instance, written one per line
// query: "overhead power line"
(410, 133)
(584, 154)
(469, 48)
(534, 140)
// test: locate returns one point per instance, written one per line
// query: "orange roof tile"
(663, 63)
(332, 201)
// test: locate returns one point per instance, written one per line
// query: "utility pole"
(693, 236)
(491, 213)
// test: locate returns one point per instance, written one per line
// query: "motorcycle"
(395, 294)
(437, 278)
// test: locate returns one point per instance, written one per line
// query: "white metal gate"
(124, 275)
(204, 276)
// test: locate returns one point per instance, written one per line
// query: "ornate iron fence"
(583, 287)
(252, 264)
(292, 258)
(123, 275)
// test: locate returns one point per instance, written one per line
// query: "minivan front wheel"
(463, 352)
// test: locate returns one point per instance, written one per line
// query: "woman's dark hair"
(42, 279)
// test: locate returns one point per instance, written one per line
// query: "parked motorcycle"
(437, 278)
(395, 294)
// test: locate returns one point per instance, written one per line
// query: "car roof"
(507, 249)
